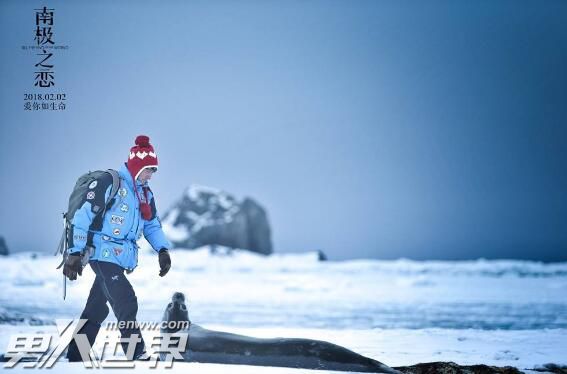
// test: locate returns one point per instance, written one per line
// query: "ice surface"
(399, 312)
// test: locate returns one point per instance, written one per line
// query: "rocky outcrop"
(3, 247)
(208, 216)
(453, 368)
(551, 368)
(321, 256)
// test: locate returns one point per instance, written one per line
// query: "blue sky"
(381, 129)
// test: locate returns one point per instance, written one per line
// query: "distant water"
(484, 316)
(247, 290)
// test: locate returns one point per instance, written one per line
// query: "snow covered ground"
(397, 312)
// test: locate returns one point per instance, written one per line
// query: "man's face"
(146, 174)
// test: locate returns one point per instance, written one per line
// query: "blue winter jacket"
(122, 224)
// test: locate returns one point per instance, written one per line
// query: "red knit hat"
(142, 156)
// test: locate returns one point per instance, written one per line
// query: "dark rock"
(453, 368)
(552, 368)
(3, 247)
(207, 216)
(321, 256)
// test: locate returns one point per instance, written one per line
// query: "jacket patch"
(124, 208)
(106, 253)
(116, 220)
(122, 192)
(93, 184)
(116, 232)
(117, 251)
(90, 195)
(79, 237)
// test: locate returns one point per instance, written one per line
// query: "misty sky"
(377, 129)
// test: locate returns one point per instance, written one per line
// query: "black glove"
(73, 266)
(164, 262)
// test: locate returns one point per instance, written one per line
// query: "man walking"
(111, 242)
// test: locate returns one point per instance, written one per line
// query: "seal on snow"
(209, 346)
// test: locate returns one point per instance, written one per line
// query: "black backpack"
(93, 182)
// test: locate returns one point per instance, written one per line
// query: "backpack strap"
(97, 222)
(61, 246)
(115, 185)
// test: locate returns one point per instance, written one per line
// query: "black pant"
(109, 285)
